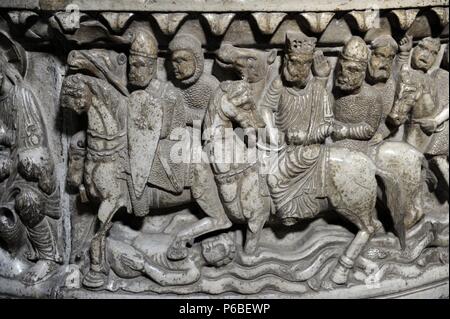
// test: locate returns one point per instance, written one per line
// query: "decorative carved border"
(218, 5)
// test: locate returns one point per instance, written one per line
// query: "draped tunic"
(21, 120)
(299, 178)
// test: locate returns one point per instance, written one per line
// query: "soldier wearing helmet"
(196, 85)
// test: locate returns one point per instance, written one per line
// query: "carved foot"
(41, 271)
(94, 279)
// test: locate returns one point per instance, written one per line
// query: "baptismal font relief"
(155, 152)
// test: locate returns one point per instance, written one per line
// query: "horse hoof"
(175, 254)
(94, 279)
(339, 275)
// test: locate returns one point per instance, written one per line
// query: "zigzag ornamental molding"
(23, 17)
(268, 22)
(218, 22)
(405, 18)
(365, 20)
(218, 5)
(169, 22)
(443, 14)
(318, 21)
(117, 21)
(69, 21)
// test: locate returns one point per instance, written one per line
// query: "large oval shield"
(144, 128)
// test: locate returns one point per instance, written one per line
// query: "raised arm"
(267, 108)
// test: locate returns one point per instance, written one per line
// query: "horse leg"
(353, 192)
(347, 260)
(96, 277)
(204, 191)
(253, 236)
(405, 163)
(256, 210)
(442, 164)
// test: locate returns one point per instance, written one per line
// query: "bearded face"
(141, 71)
(296, 69)
(184, 65)
(424, 55)
(380, 63)
(350, 75)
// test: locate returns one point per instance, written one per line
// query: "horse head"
(89, 68)
(102, 64)
(408, 94)
(251, 65)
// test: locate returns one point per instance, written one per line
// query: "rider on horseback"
(302, 111)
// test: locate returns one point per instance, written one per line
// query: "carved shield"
(144, 128)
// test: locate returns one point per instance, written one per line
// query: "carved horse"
(233, 105)
(258, 68)
(412, 106)
(107, 164)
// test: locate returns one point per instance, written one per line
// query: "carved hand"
(296, 137)
(321, 67)
(376, 139)
(134, 263)
(428, 125)
(406, 43)
(340, 131)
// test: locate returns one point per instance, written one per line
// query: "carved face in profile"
(296, 69)
(380, 63)
(350, 74)
(219, 251)
(183, 63)
(75, 94)
(424, 55)
(141, 70)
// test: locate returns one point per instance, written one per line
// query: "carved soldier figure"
(422, 97)
(423, 58)
(27, 181)
(355, 125)
(196, 85)
(438, 124)
(156, 111)
(359, 110)
(380, 76)
(156, 127)
(301, 108)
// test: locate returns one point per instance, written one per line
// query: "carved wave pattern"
(302, 266)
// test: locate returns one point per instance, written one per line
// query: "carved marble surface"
(230, 148)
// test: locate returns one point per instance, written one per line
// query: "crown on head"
(298, 43)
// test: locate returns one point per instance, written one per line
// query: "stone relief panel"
(289, 152)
